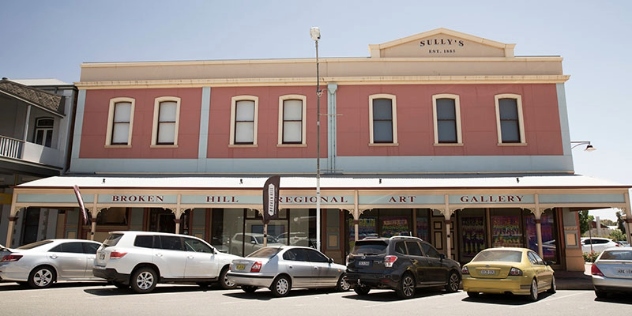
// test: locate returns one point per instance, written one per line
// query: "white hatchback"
(141, 260)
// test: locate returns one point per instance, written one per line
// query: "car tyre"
(362, 289)
(553, 288)
(144, 280)
(533, 291)
(343, 285)
(281, 286)
(248, 288)
(224, 282)
(454, 282)
(473, 294)
(41, 277)
(406, 286)
(601, 294)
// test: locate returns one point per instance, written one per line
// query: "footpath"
(574, 280)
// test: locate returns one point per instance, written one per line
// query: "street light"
(589, 147)
(314, 32)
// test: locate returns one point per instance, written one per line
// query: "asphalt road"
(96, 299)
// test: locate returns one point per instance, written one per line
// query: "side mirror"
(441, 256)
(331, 260)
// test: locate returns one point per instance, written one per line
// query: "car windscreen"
(35, 244)
(499, 255)
(266, 252)
(373, 247)
(616, 255)
(112, 240)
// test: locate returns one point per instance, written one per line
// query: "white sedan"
(287, 267)
(44, 262)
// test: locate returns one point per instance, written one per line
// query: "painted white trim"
(303, 121)
(154, 128)
(518, 98)
(108, 138)
(233, 113)
(457, 109)
(393, 99)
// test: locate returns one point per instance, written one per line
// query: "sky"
(51, 39)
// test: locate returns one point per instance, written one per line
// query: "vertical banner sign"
(83, 208)
(271, 199)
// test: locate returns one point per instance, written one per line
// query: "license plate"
(487, 272)
(241, 266)
(364, 263)
(624, 272)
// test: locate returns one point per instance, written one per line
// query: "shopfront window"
(506, 228)
(114, 216)
(549, 236)
(422, 223)
(472, 233)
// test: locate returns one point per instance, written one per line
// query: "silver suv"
(140, 260)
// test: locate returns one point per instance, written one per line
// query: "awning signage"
(137, 199)
(403, 199)
(492, 199)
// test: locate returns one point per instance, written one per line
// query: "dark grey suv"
(402, 264)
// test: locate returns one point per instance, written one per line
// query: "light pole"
(314, 32)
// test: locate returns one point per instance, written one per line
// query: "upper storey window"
(120, 122)
(447, 119)
(383, 119)
(292, 118)
(166, 114)
(44, 131)
(244, 120)
(509, 119)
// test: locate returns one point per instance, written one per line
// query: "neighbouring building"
(441, 135)
(35, 127)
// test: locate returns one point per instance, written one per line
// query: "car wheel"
(406, 286)
(120, 285)
(454, 282)
(224, 282)
(473, 294)
(281, 286)
(144, 280)
(343, 285)
(248, 288)
(362, 289)
(41, 277)
(553, 288)
(533, 291)
(601, 294)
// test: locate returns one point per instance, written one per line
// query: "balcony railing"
(11, 147)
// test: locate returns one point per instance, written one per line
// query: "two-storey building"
(442, 135)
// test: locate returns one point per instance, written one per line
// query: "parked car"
(284, 268)
(250, 242)
(612, 272)
(400, 263)
(597, 244)
(623, 243)
(42, 263)
(518, 271)
(144, 259)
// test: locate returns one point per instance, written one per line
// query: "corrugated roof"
(516, 182)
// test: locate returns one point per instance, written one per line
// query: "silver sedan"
(287, 267)
(612, 271)
(42, 263)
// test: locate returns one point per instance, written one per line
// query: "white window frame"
(518, 99)
(154, 129)
(45, 131)
(110, 128)
(282, 99)
(457, 109)
(233, 117)
(393, 99)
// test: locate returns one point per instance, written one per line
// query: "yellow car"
(518, 271)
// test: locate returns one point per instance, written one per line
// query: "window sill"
(449, 144)
(163, 146)
(383, 144)
(118, 146)
(291, 145)
(243, 146)
(512, 144)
